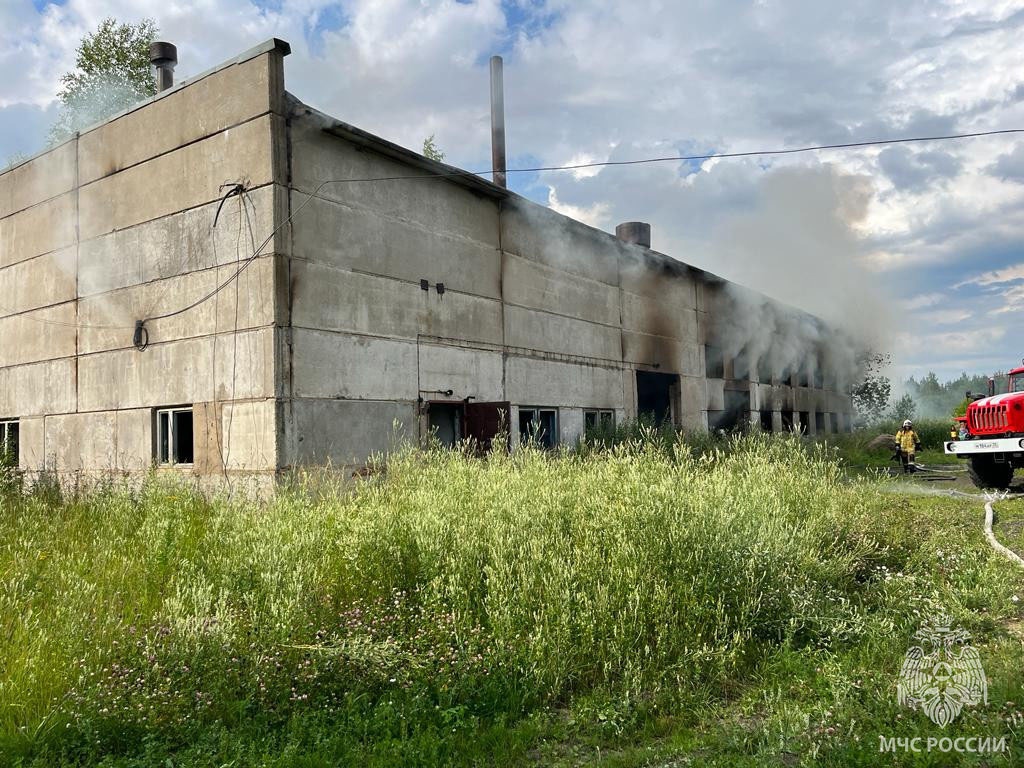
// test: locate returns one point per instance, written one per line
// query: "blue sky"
(918, 247)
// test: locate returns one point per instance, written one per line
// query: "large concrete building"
(142, 325)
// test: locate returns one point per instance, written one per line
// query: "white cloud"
(923, 300)
(996, 276)
(612, 80)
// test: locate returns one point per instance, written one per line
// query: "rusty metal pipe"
(498, 122)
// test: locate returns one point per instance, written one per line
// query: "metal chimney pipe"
(164, 57)
(636, 232)
(498, 121)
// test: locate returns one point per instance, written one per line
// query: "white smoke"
(799, 244)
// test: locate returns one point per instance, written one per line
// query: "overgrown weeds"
(428, 614)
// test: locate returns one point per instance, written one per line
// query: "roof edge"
(267, 46)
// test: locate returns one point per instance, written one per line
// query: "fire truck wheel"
(987, 473)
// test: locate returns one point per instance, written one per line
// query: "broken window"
(446, 422)
(10, 431)
(805, 421)
(539, 425)
(598, 418)
(714, 362)
(766, 421)
(175, 439)
(654, 395)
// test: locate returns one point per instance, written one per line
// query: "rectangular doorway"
(654, 395)
(446, 422)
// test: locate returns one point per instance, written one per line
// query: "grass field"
(746, 603)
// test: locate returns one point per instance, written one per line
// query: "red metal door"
(484, 421)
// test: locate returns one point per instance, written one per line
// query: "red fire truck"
(992, 434)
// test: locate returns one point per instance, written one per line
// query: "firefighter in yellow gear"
(907, 445)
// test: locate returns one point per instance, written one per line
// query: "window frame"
(601, 415)
(714, 362)
(5, 437)
(158, 442)
(537, 410)
(1016, 383)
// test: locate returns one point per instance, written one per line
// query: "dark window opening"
(446, 422)
(786, 377)
(766, 421)
(803, 378)
(598, 418)
(764, 370)
(654, 395)
(10, 439)
(787, 421)
(805, 422)
(538, 425)
(819, 422)
(175, 438)
(736, 413)
(833, 424)
(714, 362)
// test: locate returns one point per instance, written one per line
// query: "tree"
(112, 72)
(431, 150)
(871, 395)
(904, 408)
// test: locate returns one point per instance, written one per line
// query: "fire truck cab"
(992, 435)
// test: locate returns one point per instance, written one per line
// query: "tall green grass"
(451, 596)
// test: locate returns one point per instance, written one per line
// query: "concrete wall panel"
(108, 320)
(332, 299)
(43, 228)
(529, 381)
(437, 205)
(539, 234)
(134, 439)
(82, 441)
(179, 372)
(249, 431)
(176, 244)
(346, 432)
(533, 330)
(658, 277)
(41, 334)
(338, 365)
(39, 282)
(31, 444)
(223, 99)
(474, 373)
(538, 286)
(380, 242)
(186, 178)
(671, 355)
(38, 389)
(39, 179)
(658, 318)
